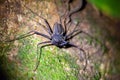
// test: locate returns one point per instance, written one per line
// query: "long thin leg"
(73, 34)
(70, 36)
(75, 31)
(72, 45)
(37, 23)
(79, 7)
(39, 53)
(68, 29)
(71, 12)
(29, 34)
(63, 14)
(68, 8)
(46, 22)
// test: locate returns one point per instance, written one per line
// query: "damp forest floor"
(18, 58)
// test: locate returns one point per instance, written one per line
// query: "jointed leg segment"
(84, 53)
(30, 34)
(49, 30)
(47, 43)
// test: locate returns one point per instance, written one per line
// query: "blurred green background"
(109, 7)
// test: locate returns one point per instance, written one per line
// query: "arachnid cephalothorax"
(58, 36)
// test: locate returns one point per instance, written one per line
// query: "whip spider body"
(58, 36)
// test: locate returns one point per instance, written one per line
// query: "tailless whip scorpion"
(58, 36)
